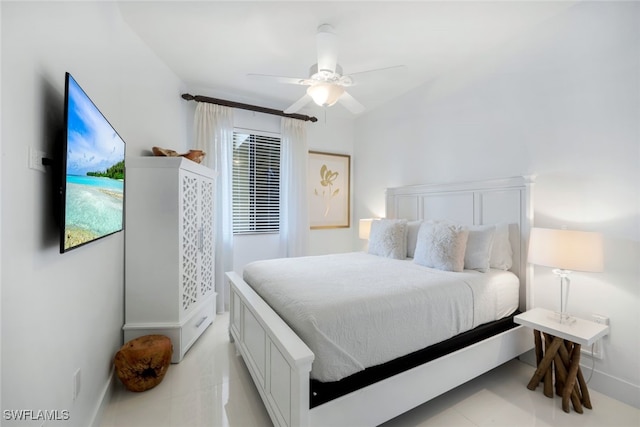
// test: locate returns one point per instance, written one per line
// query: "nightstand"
(561, 354)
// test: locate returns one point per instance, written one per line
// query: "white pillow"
(412, 236)
(388, 238)
(479, 244)
(501, 252)
(441, 245)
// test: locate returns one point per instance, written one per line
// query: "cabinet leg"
(548, 391)
(548, 379)
(548, 383)
(571, 377)
(562, 376)
(538, 342)
(586, 399)
(545, 363)
(554, 354)
(583, 390)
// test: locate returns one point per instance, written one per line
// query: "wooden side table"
(557, 347)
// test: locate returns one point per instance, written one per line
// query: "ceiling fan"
(326, 83)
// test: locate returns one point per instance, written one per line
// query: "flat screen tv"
(92, 187)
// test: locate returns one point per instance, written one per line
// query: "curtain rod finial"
(188, 96)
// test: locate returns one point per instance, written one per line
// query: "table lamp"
(566, 251)
(364, 228)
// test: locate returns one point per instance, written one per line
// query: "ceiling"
(213, 45)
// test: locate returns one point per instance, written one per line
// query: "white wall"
(1, 238)
(65, 312)
(561, 103)
(335, 135)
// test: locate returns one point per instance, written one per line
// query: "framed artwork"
(329, 187)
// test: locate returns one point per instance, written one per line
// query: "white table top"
(583, 332)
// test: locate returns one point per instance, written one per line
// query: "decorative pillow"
(441, 245)
(501, 252)
(479, 244)
(412, 236)
(388, 238)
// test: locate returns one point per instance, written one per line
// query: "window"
(256, 183)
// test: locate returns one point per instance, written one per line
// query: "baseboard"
(105, 398)
(615, 388)
(611, 386)
(529, 358)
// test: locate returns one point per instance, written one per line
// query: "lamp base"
(562, 318)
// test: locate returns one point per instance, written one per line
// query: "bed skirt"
(322, 392)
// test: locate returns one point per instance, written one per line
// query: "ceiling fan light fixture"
(325, 94)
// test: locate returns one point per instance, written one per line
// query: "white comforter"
(358, 310)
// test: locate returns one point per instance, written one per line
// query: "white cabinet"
(169, 250)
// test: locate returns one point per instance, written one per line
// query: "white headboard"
(475, 203)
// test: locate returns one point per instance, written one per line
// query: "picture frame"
(329, 182)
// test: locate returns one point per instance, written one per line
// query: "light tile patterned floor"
(211, 387)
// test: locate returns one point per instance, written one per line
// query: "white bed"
(348, 308)
(281, 363)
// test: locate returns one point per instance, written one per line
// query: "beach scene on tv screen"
(95, 173)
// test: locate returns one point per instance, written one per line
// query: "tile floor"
(211, 387)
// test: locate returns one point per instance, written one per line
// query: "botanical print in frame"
(329, 184)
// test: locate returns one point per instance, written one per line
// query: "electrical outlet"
(76, 384)
(603, 320)
(596, 351)
(35, 159)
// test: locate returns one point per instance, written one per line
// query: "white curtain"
(214, 135)
(294, 218)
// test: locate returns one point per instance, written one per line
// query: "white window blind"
(256, 183)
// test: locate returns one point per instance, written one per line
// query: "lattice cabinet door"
(207, 239)
(198, 238)
(190, 239)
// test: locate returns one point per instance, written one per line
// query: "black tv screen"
(93, 172)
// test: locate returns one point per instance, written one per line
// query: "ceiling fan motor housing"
(325, 75)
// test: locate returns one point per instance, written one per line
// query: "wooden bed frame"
(279, 362)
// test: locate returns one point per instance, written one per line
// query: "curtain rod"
(249, 107)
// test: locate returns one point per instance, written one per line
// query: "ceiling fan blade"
(327, 46)
(298, 104)
(377, 74)
(281, 79)
(351, 103)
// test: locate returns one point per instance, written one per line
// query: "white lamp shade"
(566, 249)
(364, 228)
(325, 94)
